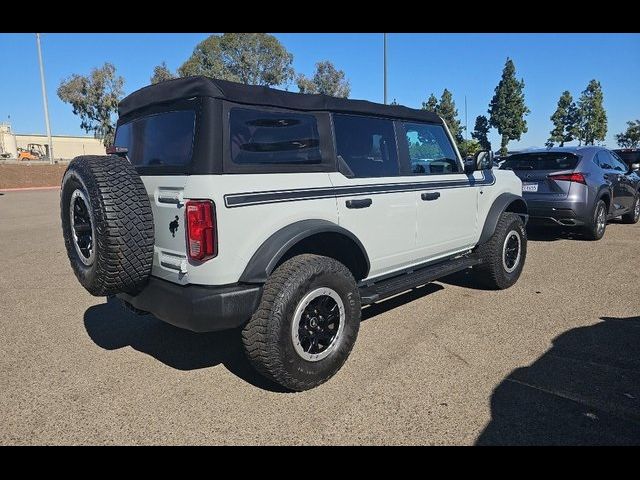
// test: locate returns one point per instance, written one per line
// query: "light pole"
(44, 99)
(385, 68)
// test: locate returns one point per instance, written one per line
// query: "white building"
(65, 147)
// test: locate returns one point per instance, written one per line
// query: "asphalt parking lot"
(553, 360)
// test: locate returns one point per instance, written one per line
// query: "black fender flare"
(605, 190)
(266, 257)
(499, 205)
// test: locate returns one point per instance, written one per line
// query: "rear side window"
(541, 161)
(159, 140)
(430, 150)
(261, 137)
(366, 147)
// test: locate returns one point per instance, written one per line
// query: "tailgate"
(167, 203)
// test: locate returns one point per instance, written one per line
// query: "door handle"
(430, 196)
(361, 203)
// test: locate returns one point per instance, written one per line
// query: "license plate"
(529, 187)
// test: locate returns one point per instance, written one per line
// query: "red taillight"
(201, 230)
(569, 177)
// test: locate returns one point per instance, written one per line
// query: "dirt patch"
(22, 176)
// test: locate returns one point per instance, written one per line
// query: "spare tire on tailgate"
(107, 224)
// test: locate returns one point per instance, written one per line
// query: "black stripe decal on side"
(276, 196)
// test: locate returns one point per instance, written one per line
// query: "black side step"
(406, 281)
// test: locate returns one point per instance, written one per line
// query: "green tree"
(94, 99)
(447, 110)
(507, 108)
(468, 148)
(592, 116)
(326, 80)
(630, 138)
(565, 121)
(481, 132)
(161, 73)
(431, 104)
(251, 58)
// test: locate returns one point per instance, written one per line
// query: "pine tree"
(447, 110)
(481, 132)
(593, 117)
(564, 121)
(507, 108)
(431, 104)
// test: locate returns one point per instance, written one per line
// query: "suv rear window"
(273, 138)
(160, 139)
(541, 161)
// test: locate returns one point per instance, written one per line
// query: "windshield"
(541, 161)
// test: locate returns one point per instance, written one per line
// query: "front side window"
(162, 139)
(430, 150)
(273, 138)
(365, 146)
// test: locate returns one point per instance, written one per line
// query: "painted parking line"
(26, 189)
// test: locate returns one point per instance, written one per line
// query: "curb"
(26, 189)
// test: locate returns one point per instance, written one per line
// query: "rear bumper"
(563, 212)
(196, 307)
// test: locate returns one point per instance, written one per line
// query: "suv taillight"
(570, 177)
(202, 243)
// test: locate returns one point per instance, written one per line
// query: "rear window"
(159, 140)
(540, 161)
(260, 137)
(629, 157)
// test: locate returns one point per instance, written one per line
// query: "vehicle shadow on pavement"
(585, 390)
(394, 302)
(111, 327)
(464, 279)
(551, 234)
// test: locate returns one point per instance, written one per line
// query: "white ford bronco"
(224, 205)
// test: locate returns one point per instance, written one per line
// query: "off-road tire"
(634, 215)
(591, 229)
(122, 224)
(267, 337)
(491, 273)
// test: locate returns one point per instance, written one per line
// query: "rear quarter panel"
(242, 229)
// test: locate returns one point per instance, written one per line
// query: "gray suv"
(577, 187)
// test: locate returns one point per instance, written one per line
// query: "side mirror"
(635, 167)
(469, 166)
(483, 160)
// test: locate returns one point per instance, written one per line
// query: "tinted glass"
(430, 150)
(541, 161)
(605, 160)
(618, 164)
(366, 146)
(264, 137)
(629, 157)
(159, 140)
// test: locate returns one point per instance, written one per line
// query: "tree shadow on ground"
(112, 327)
(585, 390)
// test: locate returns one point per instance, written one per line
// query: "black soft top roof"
(201, 86)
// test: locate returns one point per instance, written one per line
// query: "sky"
(417, 64)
